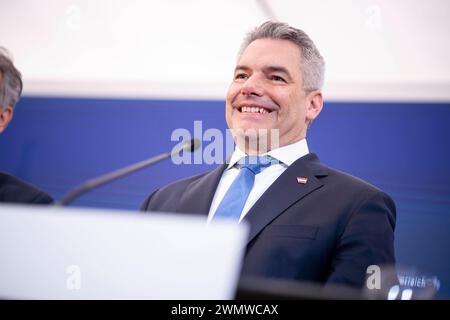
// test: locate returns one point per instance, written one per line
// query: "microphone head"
(191, 145)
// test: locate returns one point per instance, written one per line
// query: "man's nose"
(252, 86)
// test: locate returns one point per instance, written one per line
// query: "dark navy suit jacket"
(14, 190)
(328, 230)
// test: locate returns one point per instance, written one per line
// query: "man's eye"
(277, 78)
(241, 76)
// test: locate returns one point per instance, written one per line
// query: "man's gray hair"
(10, 80)
(312, 61)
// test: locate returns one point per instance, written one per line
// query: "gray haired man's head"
(10, 81)
(312, 62)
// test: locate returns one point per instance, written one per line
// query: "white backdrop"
(374, 50)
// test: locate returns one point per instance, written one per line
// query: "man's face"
(267, 91)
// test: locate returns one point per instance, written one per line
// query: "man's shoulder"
(344, 184)
(15, 190)
(335, 176)
(347, 188)
(351, 181)
(182, 184)
(166, 198)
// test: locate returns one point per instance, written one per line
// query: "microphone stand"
(109, 177)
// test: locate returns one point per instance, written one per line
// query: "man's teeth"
(254, 110)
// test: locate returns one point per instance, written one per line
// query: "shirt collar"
(286, 154)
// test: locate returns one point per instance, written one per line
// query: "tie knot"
(256, 164)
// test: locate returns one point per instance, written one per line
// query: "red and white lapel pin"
(302, 180)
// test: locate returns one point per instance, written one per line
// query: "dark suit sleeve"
(368, 239)
(14, 190)
(42, 198)
(146, 205)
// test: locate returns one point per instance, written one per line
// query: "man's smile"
(262, 106)
(253, 110)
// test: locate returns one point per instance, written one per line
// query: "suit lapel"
(199, 194)
(284, 192)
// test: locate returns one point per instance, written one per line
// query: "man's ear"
(315, 104)
(6, 114)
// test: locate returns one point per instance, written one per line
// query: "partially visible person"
(13, 189)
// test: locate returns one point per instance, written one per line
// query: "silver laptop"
(57, 253)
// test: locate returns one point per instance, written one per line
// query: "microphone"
(189, 146)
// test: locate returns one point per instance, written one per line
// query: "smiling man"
(308, 222)
(269, 92)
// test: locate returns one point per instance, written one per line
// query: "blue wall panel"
(56, 143)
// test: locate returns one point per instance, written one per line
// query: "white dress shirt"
(285, 155)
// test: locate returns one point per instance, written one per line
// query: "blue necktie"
(234, 200)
